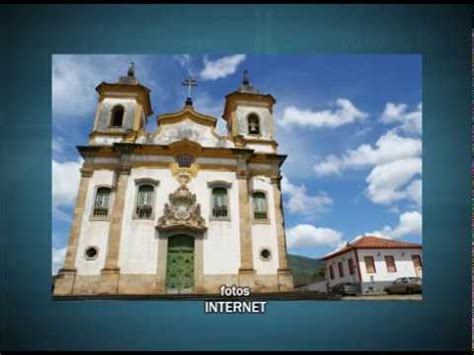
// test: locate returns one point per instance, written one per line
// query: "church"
(181, 210)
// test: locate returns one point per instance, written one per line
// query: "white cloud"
(184, 60)
(395, 162)
(58, 256)
(388, 148)
(409, 224)
(76, 76)
(344, 112)
(66, 178)
(309, 236)
(222, 67)
(386, 182)
(410, 121)
(300, 202)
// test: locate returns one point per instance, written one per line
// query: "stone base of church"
(64, 282)
(285, 280)
(111, 282)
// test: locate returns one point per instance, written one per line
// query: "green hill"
(306, 270)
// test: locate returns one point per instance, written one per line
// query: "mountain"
(306, 270)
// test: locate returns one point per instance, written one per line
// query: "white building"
(373, 263)
(181, 209)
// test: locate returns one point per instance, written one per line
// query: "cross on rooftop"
(190, 82)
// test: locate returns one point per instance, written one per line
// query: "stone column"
(111, 272)
(66, 276)
(246, 271)
(285, 276)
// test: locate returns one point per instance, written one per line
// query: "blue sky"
(350, 125)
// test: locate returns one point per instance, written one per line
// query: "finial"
(131, 70)
(245, 79)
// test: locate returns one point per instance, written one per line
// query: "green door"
(180, 264)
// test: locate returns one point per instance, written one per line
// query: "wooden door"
(180, 264)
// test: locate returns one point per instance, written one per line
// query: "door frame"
(163, 258)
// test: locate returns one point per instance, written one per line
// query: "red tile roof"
(371, 242)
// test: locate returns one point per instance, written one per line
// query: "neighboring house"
(373, 263)
(181, 209)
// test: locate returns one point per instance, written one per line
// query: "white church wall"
(139, 244)
(94, 233)
(261, 148)
(222, 239)
(264, 236)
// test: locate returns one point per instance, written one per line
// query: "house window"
(101, 204)
(254, 125)
(144, 207)
(350, 263)
(341, 269)
(117, 116)
(259, 205)
(390, 262)
(185, 160)
(369, 264)
(331, 272)
(219, 202)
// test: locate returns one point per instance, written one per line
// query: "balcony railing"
(219, 211)
(144, 211)
(100, 211)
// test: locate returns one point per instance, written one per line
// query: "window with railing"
(101, 204)
(259, 205)
(144, 208)
(219, 202)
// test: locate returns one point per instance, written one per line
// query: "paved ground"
(416, 297)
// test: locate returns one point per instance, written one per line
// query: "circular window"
(265, 254)
(91, 253)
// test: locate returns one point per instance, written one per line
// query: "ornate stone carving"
(182, 212)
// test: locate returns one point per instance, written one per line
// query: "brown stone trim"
(278, 208)
(71, 254)
(187, 112)
(161, 264)
(246, 257)
(111, 269)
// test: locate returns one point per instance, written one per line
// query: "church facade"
(179, 210)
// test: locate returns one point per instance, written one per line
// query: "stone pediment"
(189, 113)
(182, 213)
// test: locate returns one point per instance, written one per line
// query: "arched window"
(259, 205)
(144, 207)
(101, 204)
(117, 116)
(219, 202)
(254, 124)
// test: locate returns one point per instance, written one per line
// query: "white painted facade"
(404, 267)
(131, 155)
(403, 262)
(344, 259)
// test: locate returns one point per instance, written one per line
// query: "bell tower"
(249, 116)
(122, 111)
